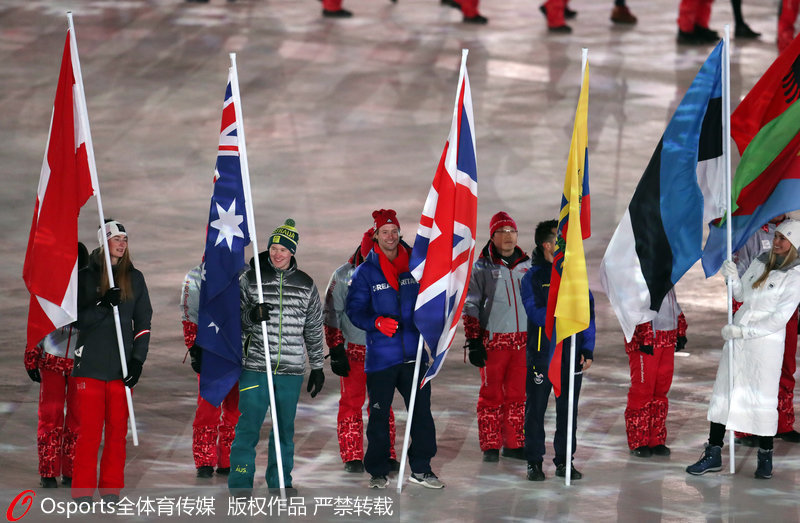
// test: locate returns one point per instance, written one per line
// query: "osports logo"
(24, 498)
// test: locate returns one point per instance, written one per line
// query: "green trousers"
(253, 404)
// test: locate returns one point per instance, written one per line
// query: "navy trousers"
(537, 388)
(380, 388)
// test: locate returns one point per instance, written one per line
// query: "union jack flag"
(219, 329)
(444, 248)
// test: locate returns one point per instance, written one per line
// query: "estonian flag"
(660, 236)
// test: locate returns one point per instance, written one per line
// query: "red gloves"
(387, 326)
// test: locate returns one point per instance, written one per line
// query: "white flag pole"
(570, 406)
(251, 225)
(726, 155)
(83, 114)
(411, 402)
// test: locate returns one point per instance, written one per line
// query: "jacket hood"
(764, 258)
(538, 257)
(489, 251)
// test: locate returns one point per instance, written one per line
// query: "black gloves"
(260, 312)
(339, 364)
(196, 355)
(680, 343)
(647, 349)
(134, 371)
(111, 298)
(35, 375)
(315, 381)
(477, 352)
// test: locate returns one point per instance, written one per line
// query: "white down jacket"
(758, 356)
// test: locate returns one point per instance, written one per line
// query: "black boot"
(48, 482)
(764, 469)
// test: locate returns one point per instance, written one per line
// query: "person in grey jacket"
(496, 327)
(293, 312)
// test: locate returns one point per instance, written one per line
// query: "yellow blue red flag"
(568, 300)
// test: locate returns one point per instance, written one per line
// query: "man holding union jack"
(381, 301)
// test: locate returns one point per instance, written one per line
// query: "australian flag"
(444, 248)
(219, 322)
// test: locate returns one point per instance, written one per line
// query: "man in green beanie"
(293, 313)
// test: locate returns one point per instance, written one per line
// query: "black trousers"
(537, 388)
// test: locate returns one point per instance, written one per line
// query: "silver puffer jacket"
(295, 322)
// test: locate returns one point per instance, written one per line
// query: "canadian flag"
(65, 183)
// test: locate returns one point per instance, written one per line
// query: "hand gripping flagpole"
(251, 223)
(83, 114)
(726, 155)
(573, 339)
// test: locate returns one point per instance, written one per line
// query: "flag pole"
(570, 406)
(726, 158)
(411, 402)
(251, 224)
(83, 114)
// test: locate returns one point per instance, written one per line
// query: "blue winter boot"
(764, 469)
(711, 461)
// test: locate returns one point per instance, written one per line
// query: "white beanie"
(111, 228)
(791, 230)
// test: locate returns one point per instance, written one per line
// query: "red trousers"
(555, 12)
(100, 405)
(350, 422)
(213, 430)
(501, 399)
(332, 5)
(692, 13)
(56, 433)
(786, 20)
(651, 378)
(786, 386)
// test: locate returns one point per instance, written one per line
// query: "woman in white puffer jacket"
(769, 291)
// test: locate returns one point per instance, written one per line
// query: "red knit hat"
(367, 242)
(384, 216)
(501, 219)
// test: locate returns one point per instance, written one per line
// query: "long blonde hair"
(772, 264)
(122, 274)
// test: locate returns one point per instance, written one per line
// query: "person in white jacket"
(769, 291)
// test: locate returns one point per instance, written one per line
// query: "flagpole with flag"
(253, 238)
(83, 114)
(50, 270)
(660, 236)
(444, 247)
(568, 299)
(766, 129)
(726, 155)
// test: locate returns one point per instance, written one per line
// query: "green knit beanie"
(285, 235)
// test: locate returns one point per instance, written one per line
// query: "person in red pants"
(50, 364)
(213, 428)
(496, 328)
(469, 8)
(333, 9)
(651, 355)
(693, 18)
(347, 345)
(99, 382)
